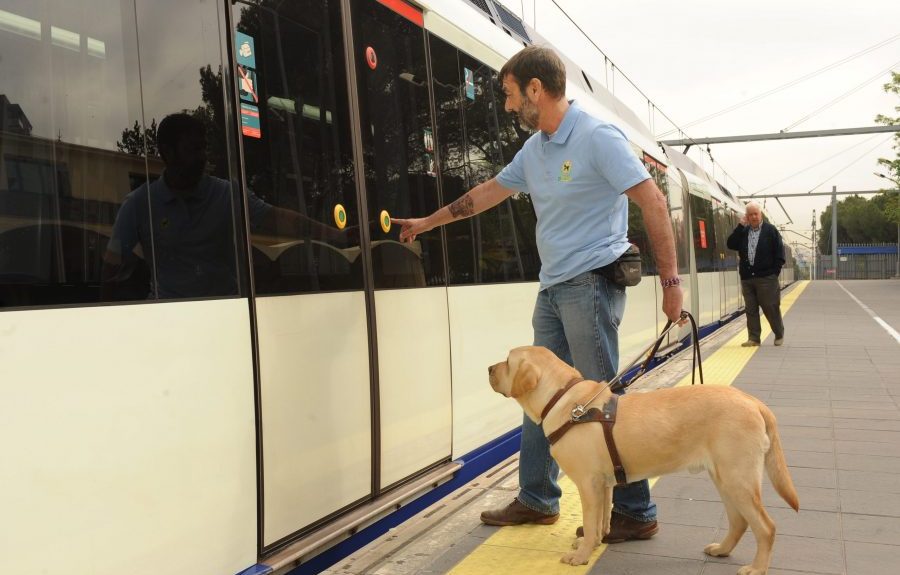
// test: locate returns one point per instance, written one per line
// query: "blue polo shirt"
(192, 235)
(576, 179)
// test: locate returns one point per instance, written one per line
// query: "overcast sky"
(698, 57)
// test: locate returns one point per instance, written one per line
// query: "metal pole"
(834, 257)
(814, 249)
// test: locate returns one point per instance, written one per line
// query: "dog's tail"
(776, 467)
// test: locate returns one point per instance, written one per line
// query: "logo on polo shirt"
(565, 172)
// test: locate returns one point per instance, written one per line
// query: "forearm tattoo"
(463, 207)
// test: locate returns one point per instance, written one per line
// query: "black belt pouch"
(625, 271)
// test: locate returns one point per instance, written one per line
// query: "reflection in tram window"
(190, 247)
(675, 197)
(296, 143)
(66, 95)
(76, 141)
(397, 135)
(191, 241)
(704, 233)
(475, 135)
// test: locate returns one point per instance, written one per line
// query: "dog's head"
(530, 375)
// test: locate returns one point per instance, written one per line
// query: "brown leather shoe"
(516, 514)
(750, 343)
(623, 528)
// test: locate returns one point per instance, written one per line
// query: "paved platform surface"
(835, 389)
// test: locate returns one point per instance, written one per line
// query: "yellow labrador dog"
(720, 429)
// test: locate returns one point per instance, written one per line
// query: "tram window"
(637, 229)
(500, 241)
(473, 132)
(675, 198)
(704, 230)
(70, 83)
(512, 138)
(398, 145)
(190, 246)
(637, 235)
(297, 151)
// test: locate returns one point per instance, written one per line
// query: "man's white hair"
(753, 205)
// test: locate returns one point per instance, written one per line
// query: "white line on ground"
(881, 322)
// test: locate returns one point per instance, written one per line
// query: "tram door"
(721, 255)
(409, 280)
(351, 326)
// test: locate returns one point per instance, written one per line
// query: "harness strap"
(574, 381)
(607, 418)
(617, 385)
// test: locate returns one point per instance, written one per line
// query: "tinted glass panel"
(512, 138)
(722, 231)
(180, 221)
(69, 88)
(704, 233)
(675, 197)
(637, 231)
(475, 137)
(398, 144)
(296, 139)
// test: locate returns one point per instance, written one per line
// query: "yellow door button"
(385, 221)
(340, 216)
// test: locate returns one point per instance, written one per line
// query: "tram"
(237, 387)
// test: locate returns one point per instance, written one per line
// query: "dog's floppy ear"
(525, 380)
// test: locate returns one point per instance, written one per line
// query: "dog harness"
(606, 416)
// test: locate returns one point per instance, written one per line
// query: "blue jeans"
(577, 320)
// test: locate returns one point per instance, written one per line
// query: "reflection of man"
(192, 238)
(762, 256)
(577, 170)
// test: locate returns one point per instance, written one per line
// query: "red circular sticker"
(371, 58)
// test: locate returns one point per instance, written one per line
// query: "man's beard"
(528, 116)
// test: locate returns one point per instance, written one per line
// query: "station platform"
(835, 388)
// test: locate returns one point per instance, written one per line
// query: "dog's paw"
(716, 550)
(575, 558)
(749, 570)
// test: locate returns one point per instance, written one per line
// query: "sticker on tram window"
(247, 84)
(250, 126)
(470, 83)
(245, 50)
(428, 139)
(702, 226)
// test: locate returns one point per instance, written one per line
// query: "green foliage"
(861, 221)
(211, 113)
(891, 165)
(133, 141)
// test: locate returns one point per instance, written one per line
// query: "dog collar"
(572, 382)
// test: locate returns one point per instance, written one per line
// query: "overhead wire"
(787, 85)
(842, 96)
(820, 162)
(867, 152)
(646, 97)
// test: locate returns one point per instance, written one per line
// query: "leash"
(616, 384)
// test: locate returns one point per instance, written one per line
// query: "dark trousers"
(763, 293)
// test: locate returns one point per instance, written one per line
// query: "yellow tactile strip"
(722, 367)
(536, 549)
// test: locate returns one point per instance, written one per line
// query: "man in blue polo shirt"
(578, 171)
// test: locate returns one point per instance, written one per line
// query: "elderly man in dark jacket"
(762, 256)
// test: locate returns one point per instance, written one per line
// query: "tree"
(211, 113)
(860, 221)
(892, 206)
(133, 140)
